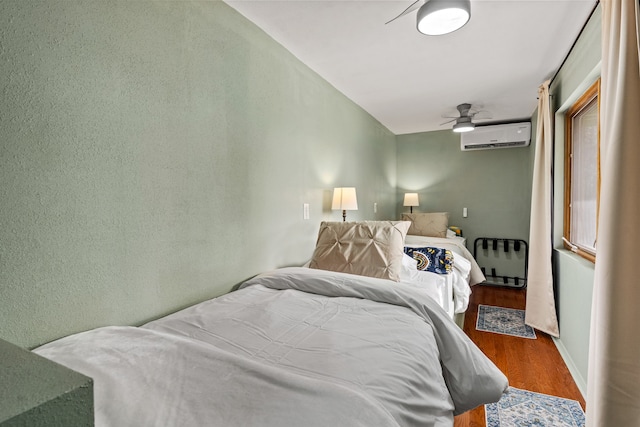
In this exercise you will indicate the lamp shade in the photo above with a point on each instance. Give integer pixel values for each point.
(411, 199)
(437, 17)
(344, 198)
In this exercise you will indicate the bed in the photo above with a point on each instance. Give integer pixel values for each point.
(430, 231)
(293, 346)
(456, 290)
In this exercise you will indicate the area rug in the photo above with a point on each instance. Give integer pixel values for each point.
(519, 408)
(506, 321)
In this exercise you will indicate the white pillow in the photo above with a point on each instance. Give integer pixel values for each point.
(409, 263)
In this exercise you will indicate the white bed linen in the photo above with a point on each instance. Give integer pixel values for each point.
(295, 346)
(456, 245)
(437, 286)
(466, 272)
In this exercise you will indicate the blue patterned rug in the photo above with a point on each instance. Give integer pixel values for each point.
(507, 321)
(519, 408)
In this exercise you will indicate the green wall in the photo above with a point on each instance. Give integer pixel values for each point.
(494, 186)
(573, 275)
(36, 392)
(156, 153)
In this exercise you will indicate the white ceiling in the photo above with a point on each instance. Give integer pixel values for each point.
(409, 81)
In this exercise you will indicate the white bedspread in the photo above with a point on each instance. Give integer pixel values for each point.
(453, 244)
(466, 271)
(437, 286)
(292, 347)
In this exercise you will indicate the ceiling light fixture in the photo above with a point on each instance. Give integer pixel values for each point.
(437, 17)
(463, 124)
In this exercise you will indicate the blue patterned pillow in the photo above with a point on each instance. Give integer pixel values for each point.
(435, 260)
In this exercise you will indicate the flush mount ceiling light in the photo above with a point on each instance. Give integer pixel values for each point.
(464, 121)
(437, 17)
(464, 124)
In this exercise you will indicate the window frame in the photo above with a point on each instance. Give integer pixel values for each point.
(590, 94)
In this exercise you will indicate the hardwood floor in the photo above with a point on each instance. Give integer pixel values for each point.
(533, 365)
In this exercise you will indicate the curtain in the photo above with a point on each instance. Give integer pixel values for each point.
(540, 310)
(613, 386)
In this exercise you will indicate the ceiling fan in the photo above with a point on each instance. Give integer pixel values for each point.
(464, 122)
(437, 17)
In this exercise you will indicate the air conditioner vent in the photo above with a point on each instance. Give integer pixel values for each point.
(497, 136)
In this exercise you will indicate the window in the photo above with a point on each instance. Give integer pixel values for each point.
(582, 174)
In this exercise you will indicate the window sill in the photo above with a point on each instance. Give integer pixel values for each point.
(574, 257)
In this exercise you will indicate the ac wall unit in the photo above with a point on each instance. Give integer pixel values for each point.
(497, 136)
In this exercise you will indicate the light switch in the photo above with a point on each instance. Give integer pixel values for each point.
(375, 207)
(464, 212)
(305, 211)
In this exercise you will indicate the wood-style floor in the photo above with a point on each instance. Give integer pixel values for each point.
(533, 365)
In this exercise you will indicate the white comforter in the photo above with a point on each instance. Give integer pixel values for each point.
(292, 347)
(475, 275)
(466, 271)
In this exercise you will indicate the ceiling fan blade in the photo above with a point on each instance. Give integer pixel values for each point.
(449, 121)
(415, 5)
(481, 115)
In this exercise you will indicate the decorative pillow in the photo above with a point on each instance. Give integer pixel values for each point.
(435, 260)
(366, 248)
(433, 224)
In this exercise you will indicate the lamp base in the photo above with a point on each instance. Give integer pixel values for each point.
(344, 215)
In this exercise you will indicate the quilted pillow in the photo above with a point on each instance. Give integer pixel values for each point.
(366, 248)
(435, 260)
(434, 224)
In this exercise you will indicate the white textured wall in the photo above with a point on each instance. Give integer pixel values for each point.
(156, 153)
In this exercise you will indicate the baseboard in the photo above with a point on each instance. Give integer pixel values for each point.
(580, 382)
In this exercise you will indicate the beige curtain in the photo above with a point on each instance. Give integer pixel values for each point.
(541, 308)
(613, 384)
